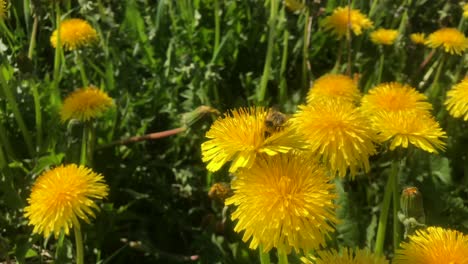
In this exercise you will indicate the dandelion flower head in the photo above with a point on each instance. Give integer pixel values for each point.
(75, 33)
(240, 136)
(418, 38)
(384, 36)
(346, 256)
(337, 22)
(465, 10)
(412, 127)
(338, 134)
(457, 100)
(283, 201)
(334, 86)
(392, 97)
(85, 104)
(450, 39)
(62, 196)
(434, 245)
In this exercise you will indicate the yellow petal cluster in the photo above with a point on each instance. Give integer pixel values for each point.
(338, 21)
(75, 33)
(346, 256)
(392, 97)
(404, 128)
(384, 36)
(338, 134)
(283, 201)
(418, 38)
(334, 86)
(85, 104)
(434, 245)
(240, 136)
(465, 10)
(450, 39)
(401, 115)
(457, 100)
(62, 196)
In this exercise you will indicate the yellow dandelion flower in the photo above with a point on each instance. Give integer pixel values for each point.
(384, 36)
(337, 22)
(3, 8)
(338, 134)
(347, 256)
(392, 97)
(465, 10)
(457, 100)
(85, 104)
(240, 136)
(334, 86)
(283, 201)
(75, 33)
(418, 38)
(62, 196)
(434, 245)
(409, 127)
(451, 39)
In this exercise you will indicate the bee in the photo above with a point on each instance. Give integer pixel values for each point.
(274, 121)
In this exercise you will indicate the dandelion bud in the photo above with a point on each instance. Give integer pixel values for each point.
(220, 191)
(412, 204)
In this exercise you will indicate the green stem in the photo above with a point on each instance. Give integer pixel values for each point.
(26, 13)
(79, 244)
(379, 243)
(19, 118)
(283, 87)
(217, 25)
(55, 96)
(270, 48)
(264, 257)
(282, 257)
(396, 203)
(32, 40)
(336, 68)
(373, 7)
(381, 66)
(434, 89)
(84, 144)
(305, 50)
(79, 62)
(59, 246)
(38, 115)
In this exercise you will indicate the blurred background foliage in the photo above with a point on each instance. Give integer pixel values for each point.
(160, 61)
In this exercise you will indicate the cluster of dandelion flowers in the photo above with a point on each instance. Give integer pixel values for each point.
(392, 97)
(384, 36)
(433, 245)
(334, 86)
(450, 39)
(240, 136)
(403, 128)
(338, 21)
(457, 100)
(62, 196)
(346, 256)
(418, 38)
(338, 134)
(75, 33)
(85, 104)
(283, 201)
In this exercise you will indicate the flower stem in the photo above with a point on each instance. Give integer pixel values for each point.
(16, 112)
(270, 48)
(379, 243)
(84, 144)
(217, 25)
(264, 257)
(435, 87)
(79, 62)
(55, 96)
(396, 203)
(283, 86)
(305, 49)
(336, 68)
(381, 64)
(282, 257)
(79, 245)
